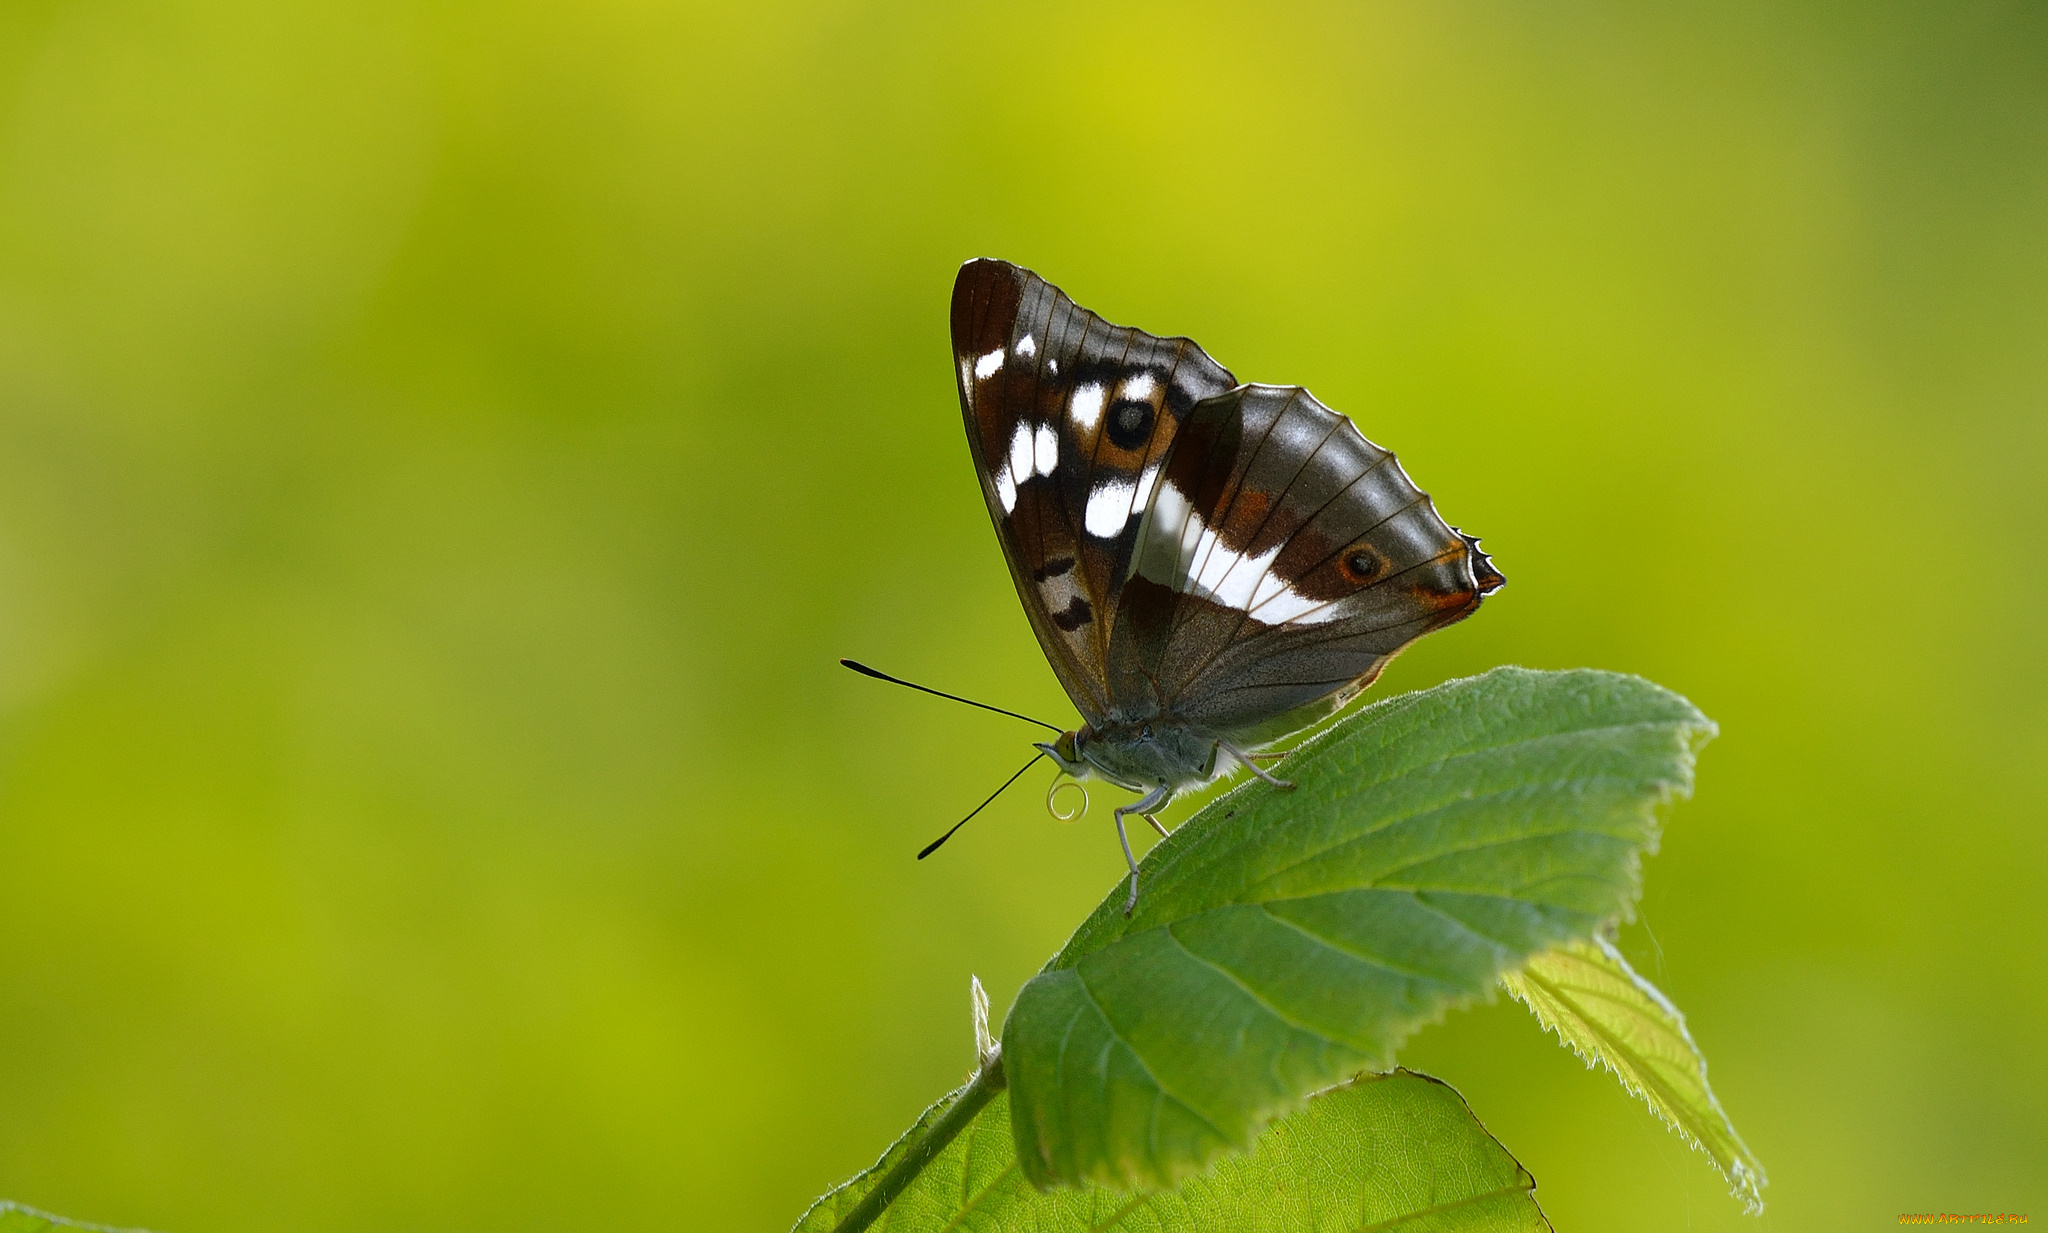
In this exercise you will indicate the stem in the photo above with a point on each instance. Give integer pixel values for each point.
(979, 1091)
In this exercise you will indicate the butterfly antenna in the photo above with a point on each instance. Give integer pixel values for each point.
(933, 846)
(864, 670)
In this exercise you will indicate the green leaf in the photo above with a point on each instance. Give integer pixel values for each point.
(1385, 1151)
(1587, 994)
(14, 1218)
(1435, 840)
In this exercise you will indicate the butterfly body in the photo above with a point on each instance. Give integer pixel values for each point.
(1138, 755)
(1209, 566)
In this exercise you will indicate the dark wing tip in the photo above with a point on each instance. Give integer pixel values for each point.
(1483, 572)
(982, 267)
(986, 294)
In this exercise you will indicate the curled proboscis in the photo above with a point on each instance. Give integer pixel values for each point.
(1052, 799)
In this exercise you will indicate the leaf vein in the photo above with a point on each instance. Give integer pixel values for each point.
(1453, 1205)
(1248, 991)
(1471, 849)
(1572, 735)
(967, 1204)
(1116, 1216)
(1117, 1038)
(1638, 1072)
(1435, 854)
(1465, 925)
(1349, 953)
(1399, 820)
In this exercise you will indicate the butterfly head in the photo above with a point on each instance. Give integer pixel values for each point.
(1066, 754)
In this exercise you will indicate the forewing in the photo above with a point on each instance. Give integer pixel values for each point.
(1284, 560)
(1069, 419)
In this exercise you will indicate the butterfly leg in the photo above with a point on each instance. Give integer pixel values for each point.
(1144, 806)
(1254, 767)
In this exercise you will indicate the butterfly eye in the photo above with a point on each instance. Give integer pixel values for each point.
(1361, 566)
(1145, 732)
(1130, 424)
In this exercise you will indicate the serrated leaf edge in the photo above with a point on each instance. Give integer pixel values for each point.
(1744, 1175)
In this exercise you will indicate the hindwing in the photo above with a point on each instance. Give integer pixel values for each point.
(1069, 419)
(1283, 561)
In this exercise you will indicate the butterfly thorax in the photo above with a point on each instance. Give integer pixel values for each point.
(1138, 755)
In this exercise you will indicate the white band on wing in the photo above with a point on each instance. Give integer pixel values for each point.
(1197, 562)
(1114, 502)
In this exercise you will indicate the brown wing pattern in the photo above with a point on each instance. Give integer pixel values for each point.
(1069, 419)
(1284, 561)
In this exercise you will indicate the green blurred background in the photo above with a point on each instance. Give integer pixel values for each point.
(444, 446)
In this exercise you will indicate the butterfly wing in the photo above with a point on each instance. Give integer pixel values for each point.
(1069, 419)
(1283, 561)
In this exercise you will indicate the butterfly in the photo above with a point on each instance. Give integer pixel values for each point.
(1209, 566)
